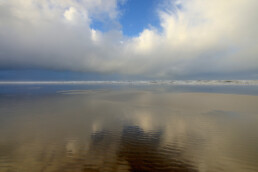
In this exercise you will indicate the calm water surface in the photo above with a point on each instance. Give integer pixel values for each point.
(97, 130)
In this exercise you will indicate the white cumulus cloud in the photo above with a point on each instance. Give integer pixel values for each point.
(197, 37)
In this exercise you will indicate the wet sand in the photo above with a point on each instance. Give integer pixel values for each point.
(112, 130)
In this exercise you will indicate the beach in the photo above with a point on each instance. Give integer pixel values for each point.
(128, 130)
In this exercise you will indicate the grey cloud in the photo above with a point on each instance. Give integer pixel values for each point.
(200, 37)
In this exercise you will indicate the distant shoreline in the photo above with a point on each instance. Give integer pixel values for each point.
(154, 82)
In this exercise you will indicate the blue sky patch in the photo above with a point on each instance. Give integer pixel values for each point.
(138, 15)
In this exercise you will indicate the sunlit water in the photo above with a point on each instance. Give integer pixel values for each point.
(128, 129)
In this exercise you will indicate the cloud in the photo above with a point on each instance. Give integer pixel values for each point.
(202, 37)
(196, 37)
(71, 14)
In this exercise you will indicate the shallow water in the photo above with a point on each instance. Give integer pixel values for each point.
(128, 130)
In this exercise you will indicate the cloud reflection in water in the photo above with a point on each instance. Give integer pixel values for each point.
(129, 131)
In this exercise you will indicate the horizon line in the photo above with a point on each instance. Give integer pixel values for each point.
(135, 82)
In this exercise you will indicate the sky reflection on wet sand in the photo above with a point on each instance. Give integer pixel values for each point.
(129, 131)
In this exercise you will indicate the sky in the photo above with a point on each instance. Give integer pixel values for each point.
(128, 39)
